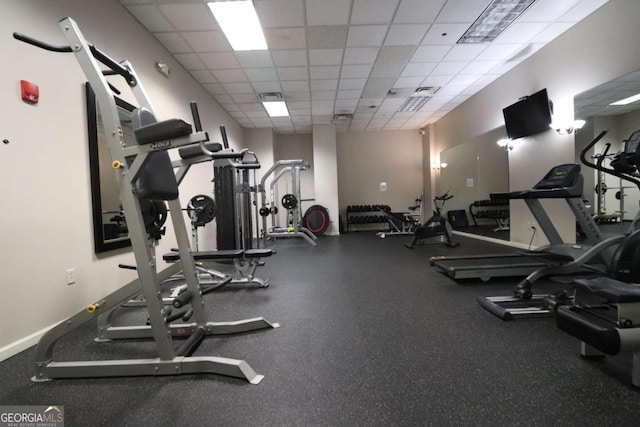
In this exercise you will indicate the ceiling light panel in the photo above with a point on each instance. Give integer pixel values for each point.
(239, 22)
(276, 108)
(494, 20)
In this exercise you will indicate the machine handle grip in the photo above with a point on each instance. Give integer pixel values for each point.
(42, 45)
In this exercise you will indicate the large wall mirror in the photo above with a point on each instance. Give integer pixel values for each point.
(109, 225)
(621, 200)
(474, 169)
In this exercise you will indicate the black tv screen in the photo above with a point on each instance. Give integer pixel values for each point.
(529, 116)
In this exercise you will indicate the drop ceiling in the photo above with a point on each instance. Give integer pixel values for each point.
(358, 57)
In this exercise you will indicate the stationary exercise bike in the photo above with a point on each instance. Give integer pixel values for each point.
(437, 229)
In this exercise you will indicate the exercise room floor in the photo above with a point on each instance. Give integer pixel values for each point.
(370, 335)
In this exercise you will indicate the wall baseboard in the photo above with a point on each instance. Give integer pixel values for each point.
(22, 344)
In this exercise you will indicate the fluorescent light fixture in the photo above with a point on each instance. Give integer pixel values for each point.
(494, 20)
(239, 22)
(418, 98)
(628, 100)
(276, 108)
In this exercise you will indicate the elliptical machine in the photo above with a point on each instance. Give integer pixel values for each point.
(437, 229)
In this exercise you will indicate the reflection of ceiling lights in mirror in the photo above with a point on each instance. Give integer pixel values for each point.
(239, 23)
(494, 20)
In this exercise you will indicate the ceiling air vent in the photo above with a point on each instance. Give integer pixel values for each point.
(270, 96)
(418, 98)
(342, 116)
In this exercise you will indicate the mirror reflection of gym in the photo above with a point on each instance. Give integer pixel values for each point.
(109, 225)
(620, 202)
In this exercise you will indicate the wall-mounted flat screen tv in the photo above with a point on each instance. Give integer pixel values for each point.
(529, 116)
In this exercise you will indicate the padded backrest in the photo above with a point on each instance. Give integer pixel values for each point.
(157, 181)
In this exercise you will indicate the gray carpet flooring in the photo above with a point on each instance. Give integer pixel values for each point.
(370, 335)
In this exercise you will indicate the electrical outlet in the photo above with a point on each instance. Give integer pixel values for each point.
(71, 276)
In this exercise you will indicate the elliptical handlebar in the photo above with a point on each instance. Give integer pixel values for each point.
(113, 65)
(598, 165)
(444, 197)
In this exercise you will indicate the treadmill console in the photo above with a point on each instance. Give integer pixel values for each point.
(561, 176)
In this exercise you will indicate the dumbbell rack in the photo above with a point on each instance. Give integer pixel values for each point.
(363, 215)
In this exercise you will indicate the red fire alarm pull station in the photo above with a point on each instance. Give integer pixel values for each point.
(29, 91)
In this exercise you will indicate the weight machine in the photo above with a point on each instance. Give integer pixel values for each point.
(143, 170)
(290, 201)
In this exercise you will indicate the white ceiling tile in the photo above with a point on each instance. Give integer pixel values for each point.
(412, 82)
(258, 112)
(261, 74)
(289, 58)
(391, 104)
(303, 95)
(551, 32)
(295, 86)
(323, 95)
(173, 42)
(324, 72)
(298, 105)
(328, 12)
(233, 75)
(236, 114)
(327, 37)
(373, 11)
(293, 73)
(464, 80)
(286, 38)
(236, 88)
(207, 41)
(498, 52)
(244, 98)
(464, 52)
(447, 68)
(251, 108)
(448, 34)
(321, 107)
(461, 10)
(421, 69)
(151, 18)
(360, 55)
(347, 84)
(280, 13)
(260, 87)
(190, 16)
(436, 81)
(430, 53)
(479, 67)
(582, 10)
(366, 35)
(547, 10)
(203, 76)
(347, 103)
(324, 85)
(223, 99)
(521, 32)
(325, 56)
(190, 61)
(254, 58)
(351, 94)
(405, 34)
(214, 88)
(219, 60)
(355, 71)
(411, 11)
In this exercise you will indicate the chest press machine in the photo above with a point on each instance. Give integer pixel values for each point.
(143, 171)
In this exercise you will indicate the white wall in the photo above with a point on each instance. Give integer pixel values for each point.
(326, 173)
(592, 52)
(365, 159)
(45, 222)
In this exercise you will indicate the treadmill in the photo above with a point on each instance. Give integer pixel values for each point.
(561, 182)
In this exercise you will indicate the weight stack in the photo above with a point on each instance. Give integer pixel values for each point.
(223, 176)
